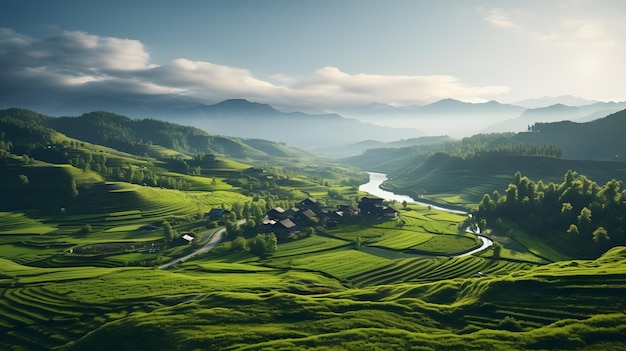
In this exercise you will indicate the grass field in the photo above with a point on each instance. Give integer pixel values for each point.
(209, 303)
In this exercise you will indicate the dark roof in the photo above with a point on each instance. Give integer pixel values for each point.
(308, 213)
(371, 200)
(216, 213)
(287, 223)
(310, 200)
(347, 208)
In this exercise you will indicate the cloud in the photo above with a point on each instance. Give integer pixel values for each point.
(500, 18)
(566, 28)
(332, 86)
(76, 64)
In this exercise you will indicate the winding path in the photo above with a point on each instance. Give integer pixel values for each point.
(373, 187)
(207, 247)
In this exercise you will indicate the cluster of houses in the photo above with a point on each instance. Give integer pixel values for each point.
(308, 213)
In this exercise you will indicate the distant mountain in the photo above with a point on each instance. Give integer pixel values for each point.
(445, 117)
(235, 117)
(360, 147)
(555, 113)
(245, 119)
(546, 101)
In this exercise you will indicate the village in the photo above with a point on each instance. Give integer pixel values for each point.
(309, 213)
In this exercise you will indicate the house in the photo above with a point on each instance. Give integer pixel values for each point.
(348, 210)
(309, 204)
(217, 214)
(335, 216)
(304, 218)
(330, 224)
(369, 206)
(283, 228)
(184, 239)
(292, 212)
(277, 213)
(389, 212)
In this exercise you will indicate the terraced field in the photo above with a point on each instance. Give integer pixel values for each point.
(20, 223)
(206, 304)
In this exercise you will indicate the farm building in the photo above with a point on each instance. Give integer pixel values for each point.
(217, 214)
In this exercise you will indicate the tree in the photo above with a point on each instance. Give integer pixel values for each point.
(584, 221)
(73, 189)
(358, 242)
(573, 229)
(600, 235)
(264, 245)
(23, 179)
(497, 250)
(86, 229)
(169, 232)
(271, 244)
(239, 244)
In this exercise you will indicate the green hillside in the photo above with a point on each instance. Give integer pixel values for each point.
(459, 180)
(93, 208)
(570, 305)
(462, 171)
(135, 136)
(602, 139)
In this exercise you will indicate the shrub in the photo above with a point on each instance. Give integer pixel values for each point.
(509, 323)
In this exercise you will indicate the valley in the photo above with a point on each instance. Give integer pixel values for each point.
(144, 234)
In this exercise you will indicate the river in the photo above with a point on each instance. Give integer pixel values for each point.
(373, 187)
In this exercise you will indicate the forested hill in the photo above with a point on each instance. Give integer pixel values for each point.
(462, 171)
(602, 139)
(126, 134)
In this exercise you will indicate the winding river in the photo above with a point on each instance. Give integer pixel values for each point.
(373, 187)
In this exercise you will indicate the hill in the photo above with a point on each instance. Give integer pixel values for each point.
(555, 113)
(601, 139)
(137, 136)
(464, 170)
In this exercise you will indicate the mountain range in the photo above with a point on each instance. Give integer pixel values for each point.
(459, 119)
(350, 125)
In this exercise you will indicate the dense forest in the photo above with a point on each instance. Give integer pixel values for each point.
(585, 217)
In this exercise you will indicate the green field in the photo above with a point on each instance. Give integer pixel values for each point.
(207, 304)
(85, 228)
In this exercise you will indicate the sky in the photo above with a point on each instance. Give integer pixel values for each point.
(313, 55)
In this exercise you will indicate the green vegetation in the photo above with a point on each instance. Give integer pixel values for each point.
(92, 205)
(201, 307)
(461, 172)
(576, 217)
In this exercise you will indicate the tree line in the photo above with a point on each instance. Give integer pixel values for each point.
(591, 216)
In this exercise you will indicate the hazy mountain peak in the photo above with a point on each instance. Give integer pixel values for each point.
(243, 104)
(568, 100)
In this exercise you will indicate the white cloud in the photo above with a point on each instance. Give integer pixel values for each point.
(563, 28)
(333, 86)
(81, 63)
(500, 18)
